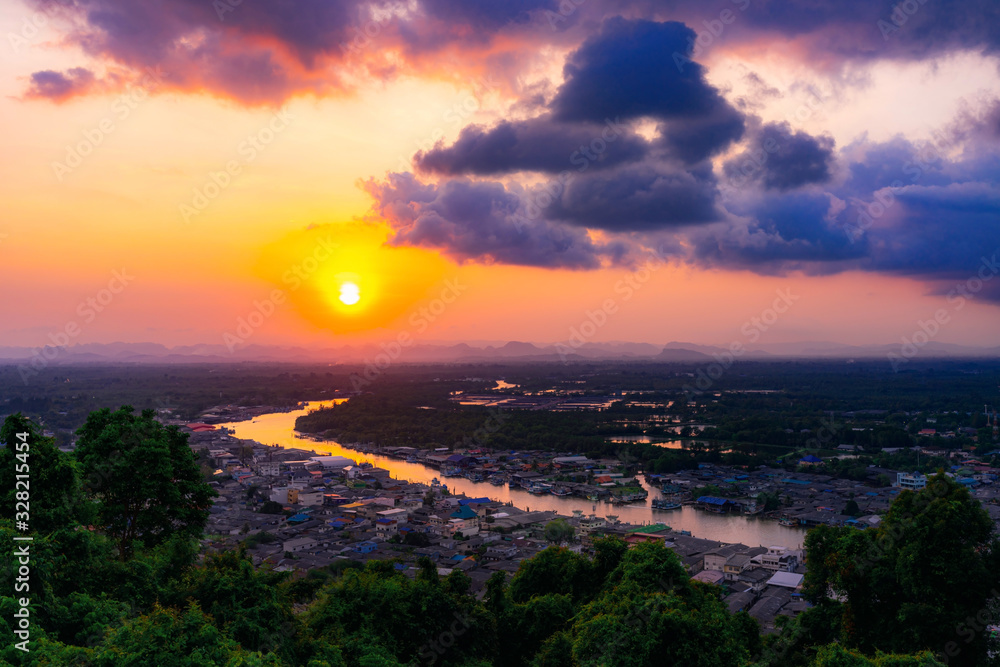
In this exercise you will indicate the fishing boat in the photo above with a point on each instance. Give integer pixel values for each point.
(412, 459)
(664, 504)
(561, 491)
(497, 480)
(451, 472)
(788, 522)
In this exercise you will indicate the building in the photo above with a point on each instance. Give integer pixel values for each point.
(912, 481)
(298, 544)
(777, 559)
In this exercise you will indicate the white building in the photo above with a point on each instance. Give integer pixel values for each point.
(778, 559)
(912, 481)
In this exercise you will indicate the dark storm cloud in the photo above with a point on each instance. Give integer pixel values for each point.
(837, 31)
(782, 159)
(640, 69)
(485, 221)
(639, 197)
(533, 145)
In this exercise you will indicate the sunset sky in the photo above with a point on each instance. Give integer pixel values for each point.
(489, 171)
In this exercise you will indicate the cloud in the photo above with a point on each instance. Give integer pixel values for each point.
(782, 159)
(649, 196)
(829, 35)
(640, 69)
(59, 86)
(485, 221)
(538, 144)
(262, 53)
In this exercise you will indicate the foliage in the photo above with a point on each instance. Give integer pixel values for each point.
(917, 582)
(168, 496)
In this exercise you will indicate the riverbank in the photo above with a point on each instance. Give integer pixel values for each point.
(278, 429)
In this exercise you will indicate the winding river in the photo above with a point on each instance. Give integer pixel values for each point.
(278, 428)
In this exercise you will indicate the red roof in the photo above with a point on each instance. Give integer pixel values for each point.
(198, 427)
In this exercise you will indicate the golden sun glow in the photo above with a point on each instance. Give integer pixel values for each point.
(350, 293)
(344, 278)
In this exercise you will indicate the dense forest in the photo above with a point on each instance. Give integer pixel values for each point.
(117, 577)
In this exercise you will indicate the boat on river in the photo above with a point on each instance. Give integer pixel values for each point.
(664, 504)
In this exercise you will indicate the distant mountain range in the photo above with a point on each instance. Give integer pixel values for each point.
(673, 352)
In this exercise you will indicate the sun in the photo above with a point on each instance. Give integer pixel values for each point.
(350, 293)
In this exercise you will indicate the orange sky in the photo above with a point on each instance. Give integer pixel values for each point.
(133, 205)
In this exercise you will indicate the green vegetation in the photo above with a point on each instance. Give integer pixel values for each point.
(925, 580)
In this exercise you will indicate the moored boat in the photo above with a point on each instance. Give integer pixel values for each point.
(664, 504)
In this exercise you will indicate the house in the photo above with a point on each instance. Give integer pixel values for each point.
(298, 544)
(786, 580)
(386, 527)
(465, 513)
(710, 577)
(756, 578)
(365, 547)
(777, 559)
(716, 559)
(912, 481)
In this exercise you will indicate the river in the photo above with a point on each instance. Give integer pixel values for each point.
(278, 428)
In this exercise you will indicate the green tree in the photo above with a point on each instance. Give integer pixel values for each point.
(143, 476)
(838, 656)
(852, 509)
(169, 638)
(915, 582)
(50, 484)
(558, 531)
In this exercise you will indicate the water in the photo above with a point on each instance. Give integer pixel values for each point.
(279, 429)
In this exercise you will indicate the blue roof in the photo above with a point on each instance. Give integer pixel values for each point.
(712, 500)
(299, 517)
(871, 493)
(789, 480)
(463, 512)
(473, 501)
(811, 459)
